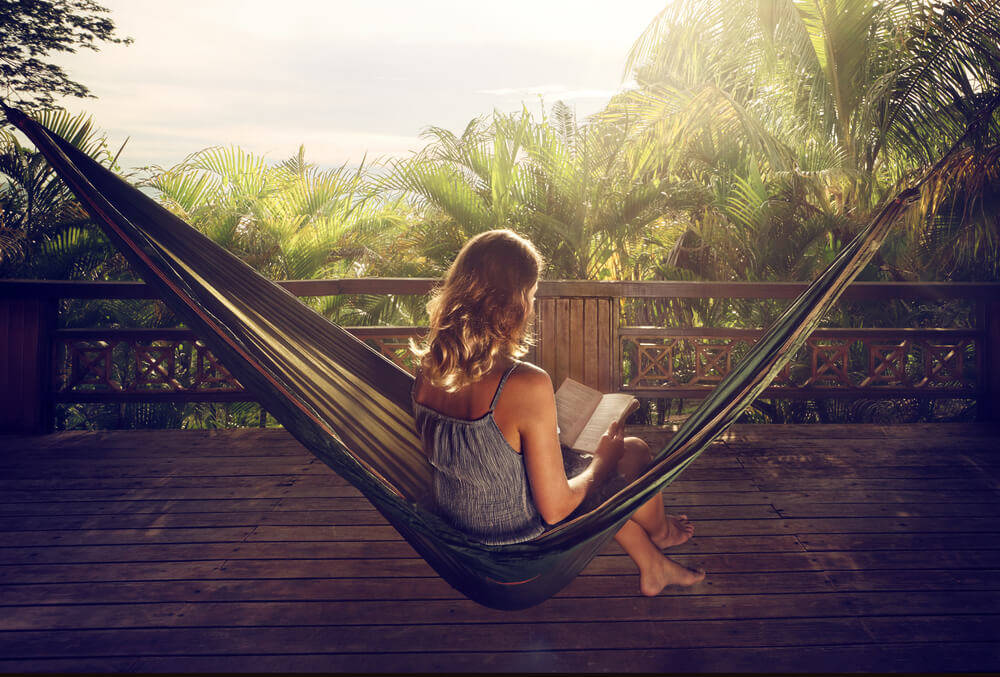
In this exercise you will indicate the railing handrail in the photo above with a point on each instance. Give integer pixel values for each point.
(977, 291)
(941, 358)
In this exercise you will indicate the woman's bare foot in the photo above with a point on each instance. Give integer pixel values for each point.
(676, 531)
(667, 572)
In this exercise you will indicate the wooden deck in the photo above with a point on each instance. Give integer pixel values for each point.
(829, 548)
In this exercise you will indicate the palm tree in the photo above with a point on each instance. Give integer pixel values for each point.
(292, 220)
(833, 102)
(44, 232)
(565, 184)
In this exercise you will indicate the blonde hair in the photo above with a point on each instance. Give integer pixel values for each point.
(481, 313)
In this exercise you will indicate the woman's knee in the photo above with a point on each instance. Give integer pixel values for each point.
(636, 458)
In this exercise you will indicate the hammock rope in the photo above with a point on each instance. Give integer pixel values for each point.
(350, 406)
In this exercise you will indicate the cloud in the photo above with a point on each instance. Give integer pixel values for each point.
(560, 92)
(343, 78)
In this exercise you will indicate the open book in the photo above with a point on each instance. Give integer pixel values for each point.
(584, 414)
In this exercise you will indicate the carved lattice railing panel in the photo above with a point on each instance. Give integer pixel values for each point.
(170, 363)
(926, 362)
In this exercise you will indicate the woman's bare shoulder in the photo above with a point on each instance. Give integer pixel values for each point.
(528, 377)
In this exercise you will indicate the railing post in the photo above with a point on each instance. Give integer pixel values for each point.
(26, 327)
(989, 317)
(577, 337)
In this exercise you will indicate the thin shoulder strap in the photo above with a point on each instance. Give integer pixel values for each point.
(413, 386)
(503, 380)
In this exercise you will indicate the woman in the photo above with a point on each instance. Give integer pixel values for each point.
(488, 421)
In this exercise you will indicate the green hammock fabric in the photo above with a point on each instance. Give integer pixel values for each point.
(350, 406)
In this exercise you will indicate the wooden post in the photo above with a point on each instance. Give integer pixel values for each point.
(26, 355)
(577, 338)
(989, 409)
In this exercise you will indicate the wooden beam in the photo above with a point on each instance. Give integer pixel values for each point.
(547, 288)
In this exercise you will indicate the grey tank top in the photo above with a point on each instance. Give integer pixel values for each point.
(480, 482)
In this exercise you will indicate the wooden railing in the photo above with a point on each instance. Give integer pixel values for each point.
(580, 332)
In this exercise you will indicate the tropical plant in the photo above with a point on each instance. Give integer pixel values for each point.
(44, 232)
(833, 102)
(290, 220)
(564, 183)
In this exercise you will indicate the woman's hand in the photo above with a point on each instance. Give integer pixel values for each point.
(612, 445)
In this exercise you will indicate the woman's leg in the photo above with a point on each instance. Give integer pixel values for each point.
(655, 571)
(664, 530)
(651, 529)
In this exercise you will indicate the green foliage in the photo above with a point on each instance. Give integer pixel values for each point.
(290, 220)
(804, 114)
(30, 30)
(44, 232)
(566, 185)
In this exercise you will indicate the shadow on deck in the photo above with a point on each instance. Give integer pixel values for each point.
(829, 548)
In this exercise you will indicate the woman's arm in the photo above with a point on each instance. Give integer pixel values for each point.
(555, 497)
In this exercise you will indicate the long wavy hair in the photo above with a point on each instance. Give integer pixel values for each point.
(482, 311)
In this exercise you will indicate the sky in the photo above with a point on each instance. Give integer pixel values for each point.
(345, 78)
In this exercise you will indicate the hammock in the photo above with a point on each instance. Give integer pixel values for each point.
(350, 406)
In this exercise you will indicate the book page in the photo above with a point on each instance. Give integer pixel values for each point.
(574, 404)
(613, 407)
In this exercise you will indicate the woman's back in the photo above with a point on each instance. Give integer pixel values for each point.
(480, 483)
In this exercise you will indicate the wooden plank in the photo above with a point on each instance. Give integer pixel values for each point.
(381, 559)
(563, 341)
(968, 558)
(747, 527)
(14, 401)
(201, 582)
(591, 344)
(187, 467)
(31, 368)
(905, 657)
(977, 628)
(815, 542)
(189, 551)
(194, 487)
(141, 476)
(731, 573)
(609, 363)
(79, 509)
(23, 524)
(864, 483)
(229, 505)
(358, 517)
(299, 600)
(171, 552)
(854, 431)
(794, 450)
(914, 579)
(894, 472)
(547, 338)
(576, 340)
(373, 639)
(705, 508)
(820, 497)
(794, 453)
(175, 488)
(961, 510)
(111, 536)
